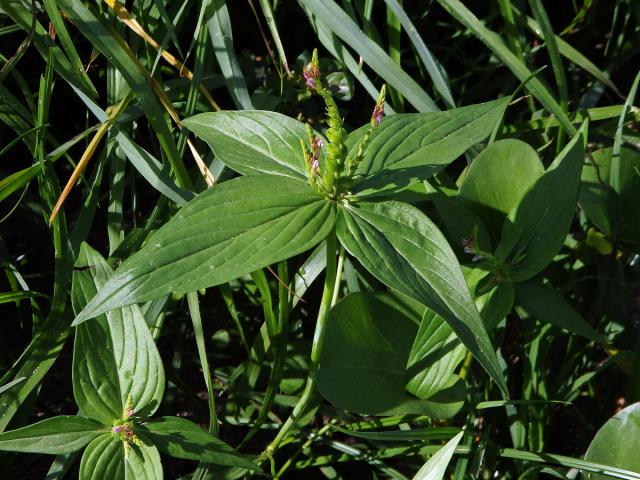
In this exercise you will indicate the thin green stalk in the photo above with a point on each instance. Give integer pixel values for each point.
(316, 347)
(540, 14)
(312, 438)
(194, 310)
(279, 343)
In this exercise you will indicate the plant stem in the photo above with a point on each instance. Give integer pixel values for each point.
(316, 347)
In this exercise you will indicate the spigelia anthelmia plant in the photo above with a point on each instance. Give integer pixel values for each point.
(280, 298)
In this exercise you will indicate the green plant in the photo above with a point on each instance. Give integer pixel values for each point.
(326, 299)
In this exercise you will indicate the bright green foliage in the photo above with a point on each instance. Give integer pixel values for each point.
(435, 468)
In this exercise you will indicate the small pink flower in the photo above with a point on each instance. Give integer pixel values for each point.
(310, 73)
(315, 165)
(378, 113)
(316, 143)
(118, 428)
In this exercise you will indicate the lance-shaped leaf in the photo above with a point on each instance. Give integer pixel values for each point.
(115, 357)
(181, 438)
(535, 230)
(105, 458)
(544, 303)
(435, 354)
(254, 141)
(401, 247)
(57, 435)
(436, 466)
(408, 148)
(225, 232)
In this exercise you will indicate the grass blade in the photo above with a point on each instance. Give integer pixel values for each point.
(431, 64)
(216, 15)
(493, 41)
(346, 29)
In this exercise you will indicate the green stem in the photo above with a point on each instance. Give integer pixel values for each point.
(316, 347)
(194, 310)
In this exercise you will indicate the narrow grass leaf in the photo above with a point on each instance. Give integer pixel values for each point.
(461, 13)
(436, 466)
(346, 29)
(433, 67)
(216, 16)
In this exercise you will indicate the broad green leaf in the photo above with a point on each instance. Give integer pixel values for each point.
(225, 232)
(435, 354)
(254, 141)
(105, 458)
(340, 24)
(364, 357)
(55, 435)
(408, 148)
(114, 358)
(436, 466)
(536, 229)
(628, 191)
(182, 438)
(544, 303)
(616, 443)
(400, 246)
(498, 178)
(628, 194)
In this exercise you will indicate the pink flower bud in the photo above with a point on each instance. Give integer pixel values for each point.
(378, 113)
(310, 73)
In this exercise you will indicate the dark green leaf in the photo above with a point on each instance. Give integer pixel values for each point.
(596, 197)
(491, 186)
(224, 233)
(407, 148)
(181, 438)
(536, 229)
(544, 303)
(364, 358)
(55, 435)
(400, 246)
